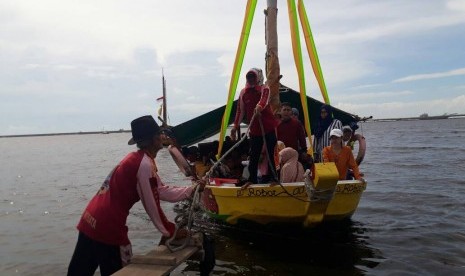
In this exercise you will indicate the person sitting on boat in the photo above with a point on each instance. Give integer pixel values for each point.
(341, 155)
(325, 125)
(291, 169)
(279, 146)
(347, 135)
(193, 155)
(103, 235)
(295, 113)
(253, 103)
(349, 138)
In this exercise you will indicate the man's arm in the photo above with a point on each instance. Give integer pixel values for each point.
(147, 196)
(240, 111)
(264, 98)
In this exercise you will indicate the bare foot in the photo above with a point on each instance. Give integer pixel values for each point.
(246, 185)
(273, 183)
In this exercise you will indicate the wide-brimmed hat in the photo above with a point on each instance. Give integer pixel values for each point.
(143, 128)
(336, 132)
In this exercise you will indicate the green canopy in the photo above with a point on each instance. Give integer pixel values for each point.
(209, 124)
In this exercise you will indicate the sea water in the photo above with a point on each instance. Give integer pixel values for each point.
(410, 220)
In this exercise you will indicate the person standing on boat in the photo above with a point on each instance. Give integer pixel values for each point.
(341, 155)
(290, 131)
(103, 235)
(253, 103)
(326, 123)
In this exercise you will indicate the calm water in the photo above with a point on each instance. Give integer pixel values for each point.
(410, 221)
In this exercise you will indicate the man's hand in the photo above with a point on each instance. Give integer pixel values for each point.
(233, 133)
(201, 183)
(181, 234)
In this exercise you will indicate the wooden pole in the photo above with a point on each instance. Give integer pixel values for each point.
(272, 60)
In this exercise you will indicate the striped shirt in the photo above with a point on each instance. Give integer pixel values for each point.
(322, 142)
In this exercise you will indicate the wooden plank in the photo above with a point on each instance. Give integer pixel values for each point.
(165, 258)
(160, 261)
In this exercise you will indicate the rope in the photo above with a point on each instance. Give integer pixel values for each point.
(186, 221)
(217, 163)
(267, 153)
(274, 171)
(181, 221)
(312, 193)
(315, 195)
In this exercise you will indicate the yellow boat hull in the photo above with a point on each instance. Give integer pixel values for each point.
(288, 203)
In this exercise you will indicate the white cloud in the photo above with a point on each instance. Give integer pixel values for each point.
(456, 72)
(94, 56)
(364, 97)
(366, 86)
(456, 5)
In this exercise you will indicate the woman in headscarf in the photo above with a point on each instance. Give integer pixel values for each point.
(253, 104)
(291, 169)
(326, 123)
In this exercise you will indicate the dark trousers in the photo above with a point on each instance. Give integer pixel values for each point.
(256, 145)
(90, 254)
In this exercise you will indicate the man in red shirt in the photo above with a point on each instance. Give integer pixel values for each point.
(290, 131)
(254, 103)
(103, 235)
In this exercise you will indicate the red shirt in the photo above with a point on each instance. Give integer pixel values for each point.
(249, 98)
(134, 178)
(292, 134)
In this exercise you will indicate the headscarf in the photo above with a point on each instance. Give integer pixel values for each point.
(291, 169)
(279, 146)
(259, 74)
(323, 124)
(295, 111)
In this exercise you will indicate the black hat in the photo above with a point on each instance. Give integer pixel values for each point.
(143, 128)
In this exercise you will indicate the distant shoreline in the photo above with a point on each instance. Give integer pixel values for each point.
(453, 116)
(65, 133)
(440, 117)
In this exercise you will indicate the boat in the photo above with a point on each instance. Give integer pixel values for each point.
(163, 116)
(321, 197)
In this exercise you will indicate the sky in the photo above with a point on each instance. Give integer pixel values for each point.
(68, 66)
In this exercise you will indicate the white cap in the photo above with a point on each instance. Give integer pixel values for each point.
(336, 132)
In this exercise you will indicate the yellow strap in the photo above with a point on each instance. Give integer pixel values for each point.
(311, 49)
(246, 25)
(296, 49)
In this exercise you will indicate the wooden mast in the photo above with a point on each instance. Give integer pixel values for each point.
(272, 60)
(164, 122)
